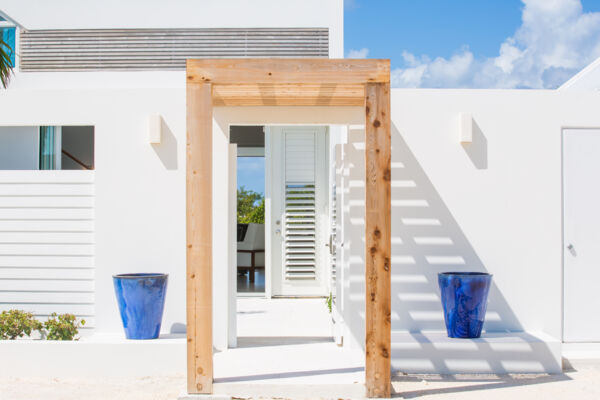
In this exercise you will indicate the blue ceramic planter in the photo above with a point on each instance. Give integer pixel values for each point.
(141, 299)
(464, 298)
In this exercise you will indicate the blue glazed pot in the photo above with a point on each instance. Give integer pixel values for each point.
(141, 299)
(464, 298)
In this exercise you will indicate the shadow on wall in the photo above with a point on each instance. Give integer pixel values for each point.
(166, 150)
(477, 149)
(426, 240)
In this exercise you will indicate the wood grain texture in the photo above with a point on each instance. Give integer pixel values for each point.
(282, 94)
(199, 238)
(378, 239)
(300, 70)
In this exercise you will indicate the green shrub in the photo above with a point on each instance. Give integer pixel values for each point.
(329, 302)
(17, 323)
(62, 327)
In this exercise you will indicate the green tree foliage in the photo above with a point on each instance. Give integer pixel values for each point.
(5, 63)
(250, 207)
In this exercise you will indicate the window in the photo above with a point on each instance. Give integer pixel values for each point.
(8, 37)
(47, 147)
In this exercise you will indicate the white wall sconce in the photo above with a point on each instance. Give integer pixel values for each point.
(465, 127)
(154, 129)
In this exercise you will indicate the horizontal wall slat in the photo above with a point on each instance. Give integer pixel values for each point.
(41, 297)
(45, 189)
(46, 226)
(46, 176)
(47, 274)
(151, 49)
(68, 249)
(41, 261)
(17, 285)
(47, 237)
(46, 213)
(46, 201)
(81, 309)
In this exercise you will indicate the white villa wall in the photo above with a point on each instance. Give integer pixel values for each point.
(139, 187)
(493, 205)
(138, 14)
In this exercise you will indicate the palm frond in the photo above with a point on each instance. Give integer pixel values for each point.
(5, 63)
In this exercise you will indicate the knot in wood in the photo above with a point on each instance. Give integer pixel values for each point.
(387, 175)
(384, 352)
(376, 123)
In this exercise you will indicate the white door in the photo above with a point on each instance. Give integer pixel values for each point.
(581, 164)
(298, 214)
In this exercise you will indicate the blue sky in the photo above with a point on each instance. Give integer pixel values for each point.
(475, 43)
(467, 43)
(251, 173)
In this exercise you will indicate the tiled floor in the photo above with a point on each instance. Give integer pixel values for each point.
(245, 286)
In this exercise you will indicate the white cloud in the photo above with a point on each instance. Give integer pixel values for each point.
(555, 40)
(362, 53)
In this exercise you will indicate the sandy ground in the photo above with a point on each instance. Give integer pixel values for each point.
(582, 382)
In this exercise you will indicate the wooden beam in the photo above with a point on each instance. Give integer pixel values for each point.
(301, 70)
(199, 238)
(288, 95)
(378, 239)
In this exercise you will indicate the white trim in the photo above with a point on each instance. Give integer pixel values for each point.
(232, 248)
(58, 148)
(268, 210)
(580, 75)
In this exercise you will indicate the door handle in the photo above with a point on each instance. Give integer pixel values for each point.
(571, 249)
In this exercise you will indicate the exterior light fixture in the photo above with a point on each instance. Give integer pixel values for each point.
(154, 129)
(465, 127)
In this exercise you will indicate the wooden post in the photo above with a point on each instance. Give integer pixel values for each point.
(199, 238)
(378, 239)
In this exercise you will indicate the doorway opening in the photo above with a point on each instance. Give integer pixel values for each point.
(283, 230)
(250, 211)
(283, 316)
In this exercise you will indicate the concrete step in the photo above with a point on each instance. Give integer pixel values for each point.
(496, 352)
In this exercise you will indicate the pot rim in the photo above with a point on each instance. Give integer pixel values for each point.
(465, 273)
(140, 275)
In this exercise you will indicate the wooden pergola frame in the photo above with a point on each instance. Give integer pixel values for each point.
(288, 82)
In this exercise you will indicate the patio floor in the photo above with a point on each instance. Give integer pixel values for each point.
(286, 342)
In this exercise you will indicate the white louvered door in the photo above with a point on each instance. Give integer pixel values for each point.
(299, 210)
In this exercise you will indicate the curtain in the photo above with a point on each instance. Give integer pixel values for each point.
(48, 147)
